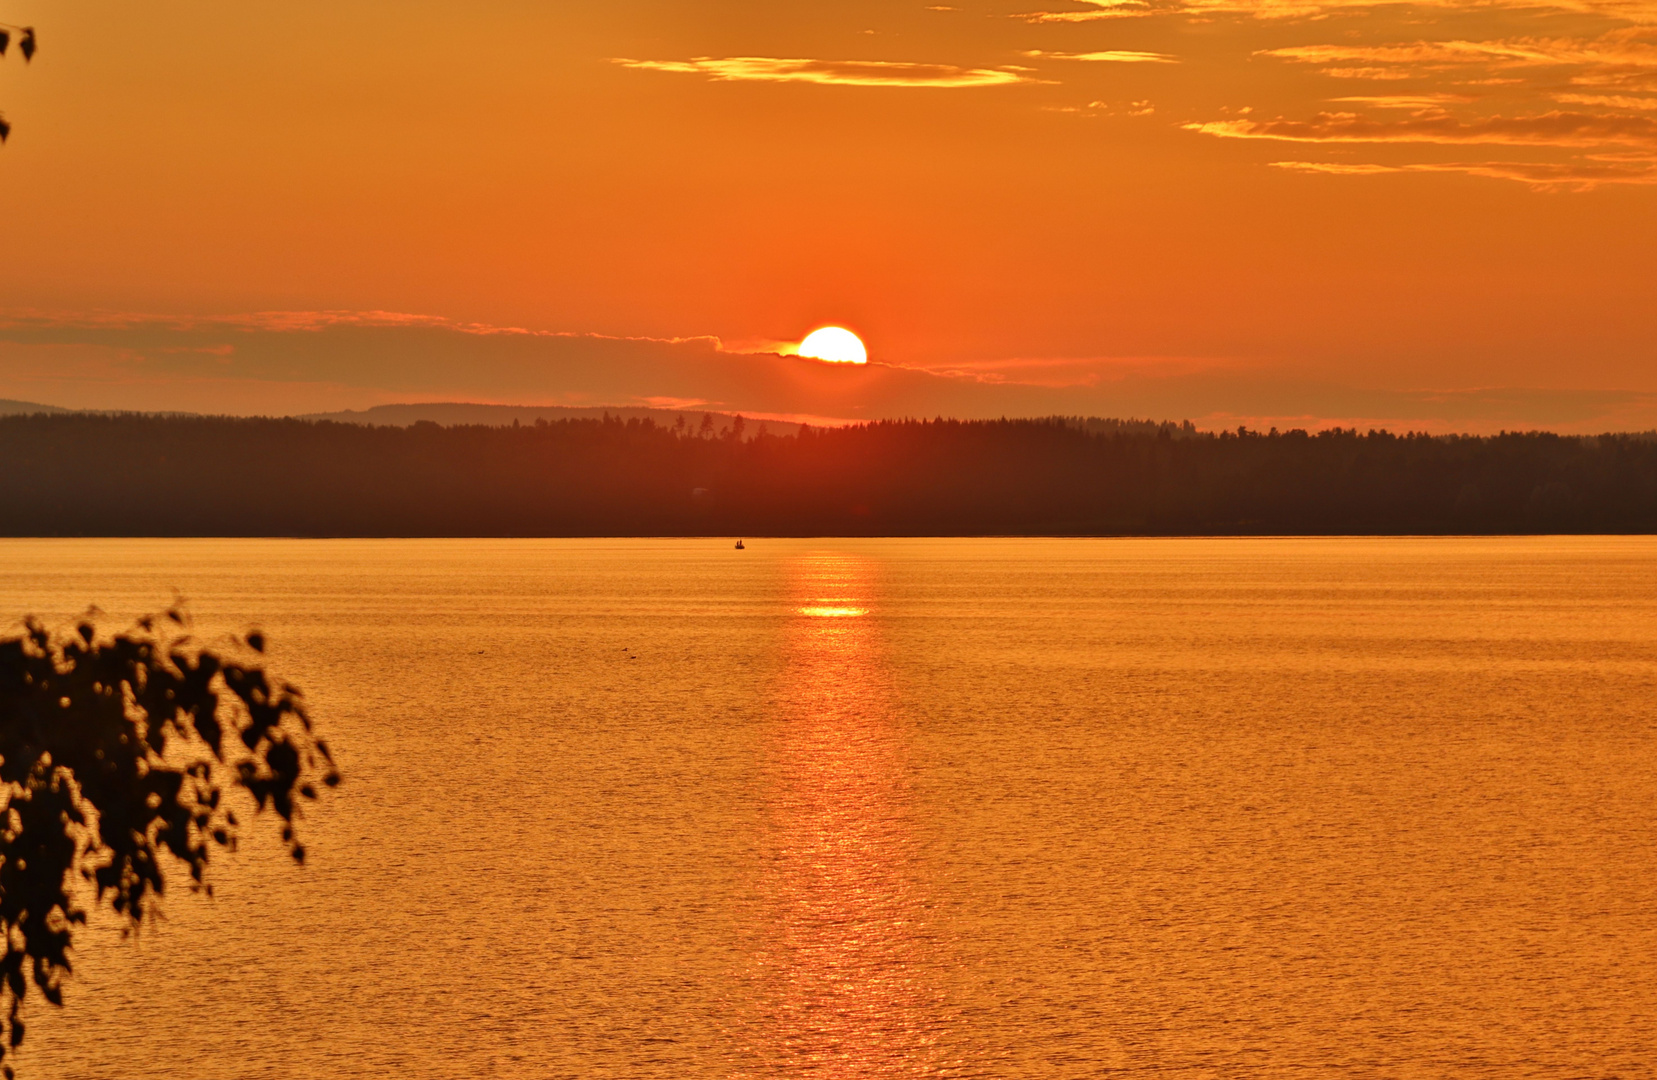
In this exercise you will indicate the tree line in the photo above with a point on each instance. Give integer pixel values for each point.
(193, 476)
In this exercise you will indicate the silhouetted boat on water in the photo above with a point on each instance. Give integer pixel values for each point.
(739, 545)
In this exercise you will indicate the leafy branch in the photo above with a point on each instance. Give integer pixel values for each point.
(115, 754)
(26, 46)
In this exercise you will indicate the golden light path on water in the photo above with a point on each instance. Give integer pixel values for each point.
(840, 987)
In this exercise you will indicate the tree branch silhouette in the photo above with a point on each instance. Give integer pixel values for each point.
(26, 46)
(116, 755)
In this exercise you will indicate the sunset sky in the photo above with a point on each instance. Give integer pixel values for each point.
(1437, 215)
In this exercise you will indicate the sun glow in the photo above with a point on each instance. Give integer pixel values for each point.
(835, 344)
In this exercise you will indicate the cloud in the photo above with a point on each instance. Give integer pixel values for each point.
(1571, 129)
(1428, 52)
(1623, 59)
(23, 321)
(1636, 11)
(1614, 101)
(1111, 56)
(1639, 81)
(1369, 73)
(1104, 108)
(1527, 68)
(277, 363)
(1100, 9)
(1618, 51)
(1337, 168)
(1633, 11)
(1579, 175)
(1405, 101)
(833, 72)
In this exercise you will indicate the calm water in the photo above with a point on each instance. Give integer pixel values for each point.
(660, 809)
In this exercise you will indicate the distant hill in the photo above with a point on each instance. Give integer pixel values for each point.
(27, 408)
(459, 414)
(472, 414)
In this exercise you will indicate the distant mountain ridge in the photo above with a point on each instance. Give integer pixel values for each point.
(461, 414)
(9, 407)
(474, 414)
(458, 414)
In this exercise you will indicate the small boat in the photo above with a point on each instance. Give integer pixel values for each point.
(739, 545)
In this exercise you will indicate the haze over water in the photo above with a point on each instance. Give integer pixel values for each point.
(850, 808)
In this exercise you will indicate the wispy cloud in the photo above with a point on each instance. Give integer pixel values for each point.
(1621, 60)
(1099, 9)
(1338, 168)
(1109, 56)
(833, 72)
(1571, 129)
(311, 362)
(1382, 73)
(299, 322)
(1579, 175)
(1405, 101)
(1614, 101)
(1105, 108)
(1419, 52)
(1618, 50)
(1633, 11)
(1537, 71)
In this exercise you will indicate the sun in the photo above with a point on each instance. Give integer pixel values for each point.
(835, 344)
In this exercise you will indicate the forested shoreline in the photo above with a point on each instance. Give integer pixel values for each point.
(88, 475)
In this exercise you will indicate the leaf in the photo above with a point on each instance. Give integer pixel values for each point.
(26, 43)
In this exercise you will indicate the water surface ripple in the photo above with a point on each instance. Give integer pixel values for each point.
(867, 808)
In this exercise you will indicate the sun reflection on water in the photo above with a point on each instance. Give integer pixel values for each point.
(841, 960)
(824, 610)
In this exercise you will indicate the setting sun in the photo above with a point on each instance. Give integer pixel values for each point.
(834, 344)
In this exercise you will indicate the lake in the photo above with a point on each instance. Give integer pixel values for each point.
(866, 808)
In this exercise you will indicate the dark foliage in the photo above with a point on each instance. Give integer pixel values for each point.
(26, 46)
(116, 755)
(159, 476)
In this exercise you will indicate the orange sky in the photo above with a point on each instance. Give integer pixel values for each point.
(1212, 208)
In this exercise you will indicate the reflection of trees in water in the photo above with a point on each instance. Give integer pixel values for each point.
(841, 967)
